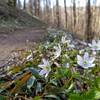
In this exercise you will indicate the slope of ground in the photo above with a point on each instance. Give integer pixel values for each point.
(14, 17)
(16, 27)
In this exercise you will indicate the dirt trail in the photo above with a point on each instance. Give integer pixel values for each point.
(17, 40)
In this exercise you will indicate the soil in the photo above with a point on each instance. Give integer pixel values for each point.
(17, 40)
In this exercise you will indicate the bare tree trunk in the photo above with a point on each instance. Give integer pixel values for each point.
(48, 5)
(47, 9)
(74, 11)
(78, 12)
(95, 19)
(65, 12)
(31, 7)
(57, 13)
(88, 32)
(24, 7)
(36, 7)
(71, 17)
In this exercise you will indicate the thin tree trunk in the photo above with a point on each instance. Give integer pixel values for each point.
(31, 7)
(57, 13)
(24, 7)
(48, 4)
(74, 11)
(88, 32)
(36, 7)
(71, 17)
(95, 16)
(65, 12)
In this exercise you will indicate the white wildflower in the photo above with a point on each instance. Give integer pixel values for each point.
(63, 39)
(46, 67)
(57, 52)
(95, 45)
(85, 61)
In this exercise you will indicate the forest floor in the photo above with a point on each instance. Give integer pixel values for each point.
(17, 39)
(17, 27)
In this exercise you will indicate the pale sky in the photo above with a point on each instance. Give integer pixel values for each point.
(78, 2)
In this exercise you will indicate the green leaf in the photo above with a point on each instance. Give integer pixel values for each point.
(75, 97)
(39, 87)
(37, 98)
(97, 82)
(34, 72)
(30, 82)
(53, 82)
(1, 90)
(2, 98)
(97, 94)
(88, 95)
(52, 97)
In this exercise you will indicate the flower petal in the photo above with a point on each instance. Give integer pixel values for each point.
(46, 74)
(41, 65)
(42, 72)
(80, 63)
(92, 65)
(79, 58)
(86, 56)
(90, 45)
(91, 60)
(44, 61)
(93, 42)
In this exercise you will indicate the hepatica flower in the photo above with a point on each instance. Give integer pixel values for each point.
(45, 68)
(63, 39)
(86, 61)
(57, 52)
(95, 45)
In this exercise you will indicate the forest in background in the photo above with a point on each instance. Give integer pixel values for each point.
(83, 21)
